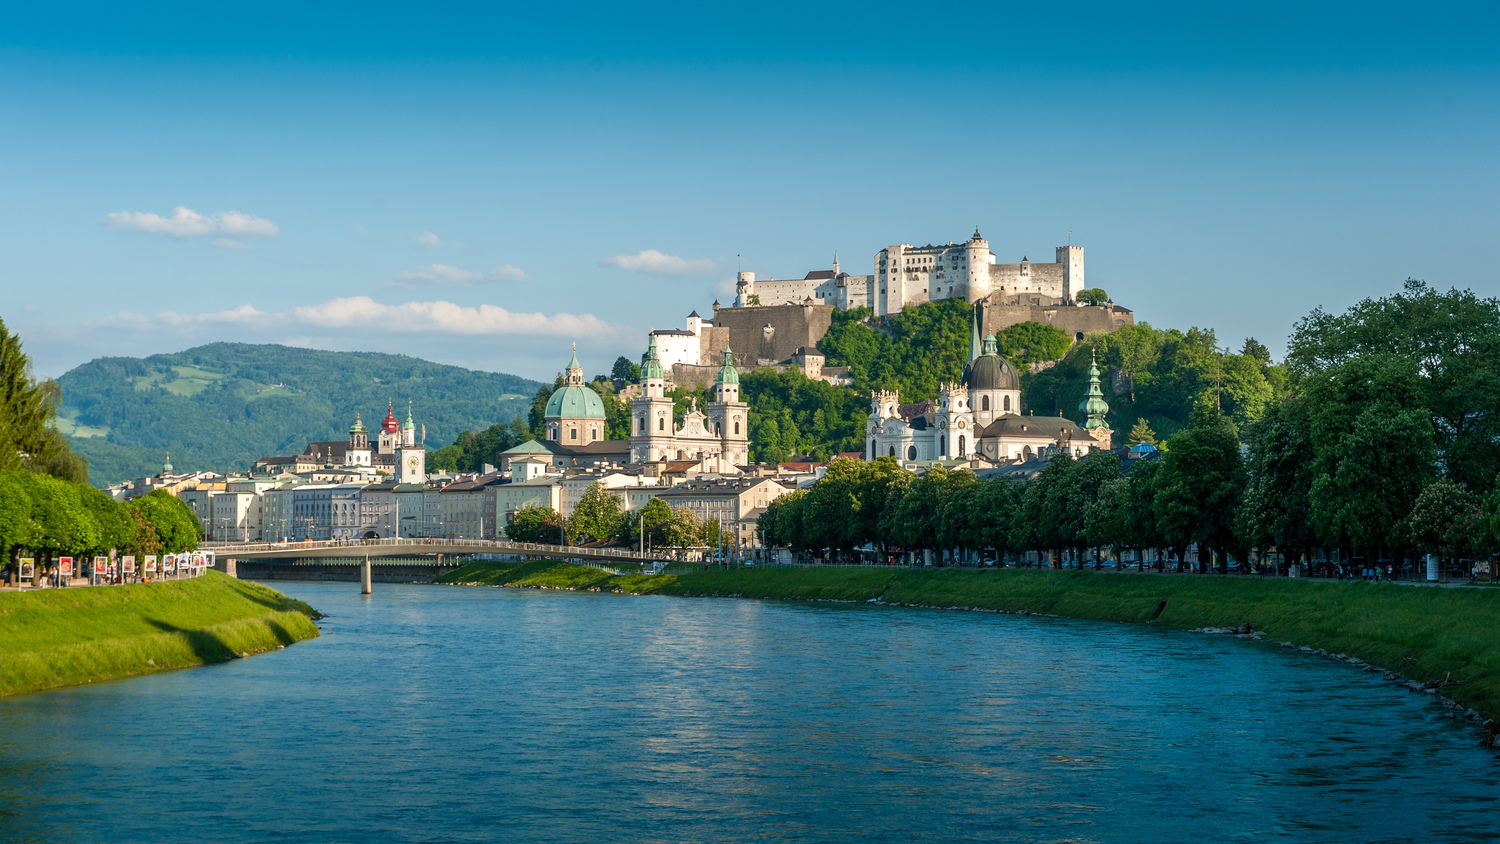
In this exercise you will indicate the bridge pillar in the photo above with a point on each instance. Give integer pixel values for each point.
(230, 569)
(364, 576)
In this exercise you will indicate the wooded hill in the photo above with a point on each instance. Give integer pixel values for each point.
(224, 405)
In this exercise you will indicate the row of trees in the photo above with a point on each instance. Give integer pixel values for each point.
(599, 517)
(52, 517)
(1384, 442)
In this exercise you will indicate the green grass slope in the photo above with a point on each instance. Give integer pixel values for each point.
(65, 637)
(1420, 632)
(224, 405)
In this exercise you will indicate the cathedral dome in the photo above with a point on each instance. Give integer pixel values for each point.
(573, 401)
(990, 371)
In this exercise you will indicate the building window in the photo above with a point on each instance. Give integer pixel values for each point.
(893, 451)
(984, 403)
(961, 446)
(911, 452)
(661, 424)
(736, 429)
(572, 433)
(1007, 402)
(942, 445)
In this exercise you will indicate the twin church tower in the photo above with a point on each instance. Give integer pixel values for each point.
(718, 439)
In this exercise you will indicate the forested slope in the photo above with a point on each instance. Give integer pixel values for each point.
(224, 405)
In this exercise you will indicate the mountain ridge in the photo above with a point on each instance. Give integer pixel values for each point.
(221, 406)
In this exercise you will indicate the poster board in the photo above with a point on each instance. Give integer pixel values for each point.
(100, 565)
(65, 566)
(28, 568)
(127, 564)
(169, 564)
(209, 559)
(150, 564)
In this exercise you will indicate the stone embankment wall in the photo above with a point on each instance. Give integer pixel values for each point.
(1075, 321)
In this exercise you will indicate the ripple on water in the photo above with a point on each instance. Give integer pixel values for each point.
(448, 714)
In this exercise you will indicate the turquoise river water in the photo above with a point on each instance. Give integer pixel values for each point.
(450, 714)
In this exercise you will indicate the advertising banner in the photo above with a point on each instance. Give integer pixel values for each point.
(65, 566)
(208, 559)
(28, 568)
(127, 565)
(169, 564)
(150, 564)
(99, 565)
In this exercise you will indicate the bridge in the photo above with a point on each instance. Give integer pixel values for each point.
(362, 551)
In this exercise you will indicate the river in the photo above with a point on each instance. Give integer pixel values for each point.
(455, 714)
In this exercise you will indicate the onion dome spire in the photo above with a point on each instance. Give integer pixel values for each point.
(652, 367)
(1094, 407)
(727, 372)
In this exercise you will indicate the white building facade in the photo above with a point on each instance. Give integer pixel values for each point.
(906, 275)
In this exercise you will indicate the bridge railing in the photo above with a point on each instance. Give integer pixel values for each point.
(230, 549)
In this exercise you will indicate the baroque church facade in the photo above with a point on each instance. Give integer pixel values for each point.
(720, 438)
(980, 417)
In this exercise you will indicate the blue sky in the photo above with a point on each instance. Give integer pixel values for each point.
(470, 185)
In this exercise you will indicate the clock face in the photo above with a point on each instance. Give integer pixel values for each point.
(412, 462)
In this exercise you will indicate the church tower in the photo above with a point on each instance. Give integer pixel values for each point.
(358, 452)
(955, 422)
(411, 456)
(1094, 408)
(729, 417)
(652, 430)
(390, 430)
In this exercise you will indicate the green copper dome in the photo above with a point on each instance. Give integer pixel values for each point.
(727, 373)
(652, 367)
(573, 401)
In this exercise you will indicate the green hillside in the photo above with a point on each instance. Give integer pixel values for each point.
(224, 405)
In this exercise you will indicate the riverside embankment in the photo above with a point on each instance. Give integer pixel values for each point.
(66, 637)
(1425, 634)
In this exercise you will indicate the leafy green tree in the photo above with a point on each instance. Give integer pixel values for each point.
(1450, 340)
(62, 524)
(1369, 479)
(1138, 520)
(625, 371)
(652, 520)
(15, 515)
(174, 524)
(1032, 342)
(684, 528)
(780, 526)
(1446, 520)
(27, 409)
(1256, 350)
(597, 516)
(1282, 467)
(534, 523)
(1202, 481)
(1093, 296)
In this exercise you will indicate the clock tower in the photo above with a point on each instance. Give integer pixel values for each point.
(411, 455)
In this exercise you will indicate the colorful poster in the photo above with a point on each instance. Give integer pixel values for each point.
(169, 564)
(150, 564)
(100, 565)
(28, 568)
(208, 559)
(127, 565)
(65, 566)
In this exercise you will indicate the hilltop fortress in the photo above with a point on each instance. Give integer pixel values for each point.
(778, 322)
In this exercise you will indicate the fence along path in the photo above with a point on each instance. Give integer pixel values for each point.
(360, 548)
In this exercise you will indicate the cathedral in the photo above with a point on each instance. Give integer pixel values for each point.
(980, 417)
(720, 438)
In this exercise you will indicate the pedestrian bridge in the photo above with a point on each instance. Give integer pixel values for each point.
(228, 553)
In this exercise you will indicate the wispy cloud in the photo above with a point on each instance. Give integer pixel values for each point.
(185, 222)
(442, 275)
(226, 243)
(361, 313)
(659, 263)
(428, 240)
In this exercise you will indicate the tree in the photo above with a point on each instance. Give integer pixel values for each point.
(1449, 341)
(625, 370)
(1369, 478)
(27, 409)
(596, 516)
(1201, 483)
(651, 519)
(684, 528)
(1255, 350)
(1093, 296)
(173, 524)
(1446, 520)
(1282, 467)
(534, 523)
(1141, 432)
(15, 514)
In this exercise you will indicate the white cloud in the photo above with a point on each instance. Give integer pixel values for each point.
(442, 275)
(658, 263)
(186, 222)
(226, 243)
(361, 313)
(427, 240)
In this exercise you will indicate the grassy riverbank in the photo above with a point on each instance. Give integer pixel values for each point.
(64, 637)
(1420, 632)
